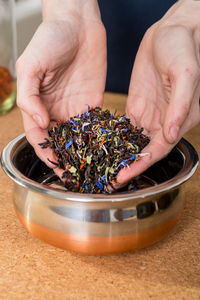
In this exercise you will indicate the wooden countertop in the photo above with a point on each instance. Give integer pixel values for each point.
(31, 269)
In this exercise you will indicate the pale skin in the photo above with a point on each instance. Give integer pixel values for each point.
(63, 74)
(63, 70)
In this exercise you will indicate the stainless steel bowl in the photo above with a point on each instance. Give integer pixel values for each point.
(98, 224)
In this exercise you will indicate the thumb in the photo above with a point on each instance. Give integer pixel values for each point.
(28, 99)
(183, 92)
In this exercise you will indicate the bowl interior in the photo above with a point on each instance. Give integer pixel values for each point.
(26, 161)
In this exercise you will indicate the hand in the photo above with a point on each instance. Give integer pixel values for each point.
(60, 73)
(165, 85)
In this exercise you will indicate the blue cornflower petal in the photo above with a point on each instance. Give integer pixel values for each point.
(133, 156)
(103, 179)
(68, 144)
(122, 163)
(75, 123)
(130, 188)
(99, 184)
(85, 114)
(104, 130)
(85, 186)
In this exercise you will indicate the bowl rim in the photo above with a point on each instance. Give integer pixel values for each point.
(189, 168)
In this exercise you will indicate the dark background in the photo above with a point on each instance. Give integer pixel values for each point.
(126, 22)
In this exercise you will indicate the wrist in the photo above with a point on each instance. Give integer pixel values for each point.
(183, 13)
(59, 10)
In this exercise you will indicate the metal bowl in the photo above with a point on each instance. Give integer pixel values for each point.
(98, 224)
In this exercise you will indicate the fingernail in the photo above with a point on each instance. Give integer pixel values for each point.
(112, 187)
(53, 164)
(39, 121)
(173, 133)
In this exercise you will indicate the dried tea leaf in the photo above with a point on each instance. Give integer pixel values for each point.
(92, 149)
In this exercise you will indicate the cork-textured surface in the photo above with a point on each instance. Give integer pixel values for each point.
(31, 269)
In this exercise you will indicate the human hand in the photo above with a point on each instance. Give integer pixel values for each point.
(61, 71)
(165, 84)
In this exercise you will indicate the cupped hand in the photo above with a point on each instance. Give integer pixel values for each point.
(60, 73)
(165, 84)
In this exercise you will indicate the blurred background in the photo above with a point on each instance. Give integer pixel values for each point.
(28, 17)
(18, 22)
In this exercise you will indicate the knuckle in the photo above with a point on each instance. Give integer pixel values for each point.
(23, 65)
(19, 65)
(192, 70)
(188, 70)
(19, 103)
(150, 31)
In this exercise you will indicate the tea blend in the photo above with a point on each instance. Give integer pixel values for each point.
(93, 148)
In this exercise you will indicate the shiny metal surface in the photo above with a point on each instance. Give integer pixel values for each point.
(97, 224)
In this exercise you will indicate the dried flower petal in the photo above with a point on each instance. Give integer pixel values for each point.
(94, 147)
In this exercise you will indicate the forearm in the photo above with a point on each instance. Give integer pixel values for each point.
(61, 9)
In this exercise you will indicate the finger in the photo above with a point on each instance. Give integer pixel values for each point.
(35, 135)
(156, 150)
(193, 117)
(183, 93)
(28, 87)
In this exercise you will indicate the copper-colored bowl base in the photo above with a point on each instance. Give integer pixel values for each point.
(99, 245)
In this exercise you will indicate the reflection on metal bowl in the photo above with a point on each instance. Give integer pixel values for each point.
(98, 224)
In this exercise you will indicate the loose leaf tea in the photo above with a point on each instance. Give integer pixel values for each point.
(93, 148)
